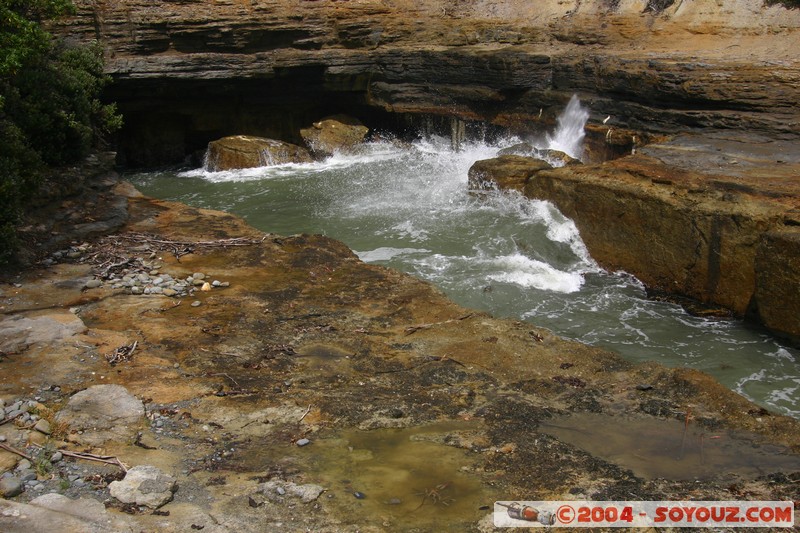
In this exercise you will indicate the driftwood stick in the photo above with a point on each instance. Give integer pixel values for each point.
(306, 413)
(11, 449)
(107, 459)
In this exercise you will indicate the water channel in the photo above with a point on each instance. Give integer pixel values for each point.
(407, 206)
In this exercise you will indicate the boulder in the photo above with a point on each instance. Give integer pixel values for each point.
(242, 151)
(330, 136)
(17, 332)
(505, 172)
(102, 413)
(144, 485)
(55, 512)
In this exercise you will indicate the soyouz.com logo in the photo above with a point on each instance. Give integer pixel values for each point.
(643, 514)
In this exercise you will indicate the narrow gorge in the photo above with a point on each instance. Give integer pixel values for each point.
(217, 355)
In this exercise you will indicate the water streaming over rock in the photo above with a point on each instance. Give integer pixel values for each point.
(408, 207)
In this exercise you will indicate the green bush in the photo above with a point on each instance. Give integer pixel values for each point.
(50, 108)
(788, 4)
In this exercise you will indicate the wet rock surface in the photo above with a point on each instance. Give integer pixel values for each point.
(243, 151)
(693, 216)
(307, 343)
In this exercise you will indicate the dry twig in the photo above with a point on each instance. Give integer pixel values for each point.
(11, 449)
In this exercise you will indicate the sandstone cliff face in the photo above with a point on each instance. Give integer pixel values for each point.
(198, 71)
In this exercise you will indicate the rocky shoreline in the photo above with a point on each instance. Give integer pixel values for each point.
(319, 392)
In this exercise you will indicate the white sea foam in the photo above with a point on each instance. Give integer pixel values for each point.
(385, 253)
(526, 272)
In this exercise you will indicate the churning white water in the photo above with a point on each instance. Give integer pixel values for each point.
(408, 207)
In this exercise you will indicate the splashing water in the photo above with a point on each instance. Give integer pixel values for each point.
(568, 136)
(408, 207)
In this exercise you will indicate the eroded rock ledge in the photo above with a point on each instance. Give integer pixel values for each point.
(308, 345)
(713, 218)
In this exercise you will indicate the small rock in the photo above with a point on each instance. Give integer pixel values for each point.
(306, 493)
(206, 287)
(136, 290)
(144, 485)
(216, 283)
(280, 490)
(56, 457)
(256, 500)
(27, 475)
(2, 438)
(169, 292)
(359, 495)
(644, 386)
(93, 284)
(303, 442)
(196, 303)
(11, 486)
(43, 426)
(199, 275)
(396, 413)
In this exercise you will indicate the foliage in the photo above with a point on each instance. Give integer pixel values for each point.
(50, 108)
(788, 4)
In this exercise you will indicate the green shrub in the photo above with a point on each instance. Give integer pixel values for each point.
(50, 108)
(788, 4)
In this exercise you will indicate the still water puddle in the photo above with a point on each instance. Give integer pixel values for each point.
(654, 448)
(400, 478)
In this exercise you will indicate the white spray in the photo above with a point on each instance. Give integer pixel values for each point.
(569, 134)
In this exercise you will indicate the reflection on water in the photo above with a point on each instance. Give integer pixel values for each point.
(669, 449)
(400, 479)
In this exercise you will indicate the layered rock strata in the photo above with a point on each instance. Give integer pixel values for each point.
(192, 73)
(706, 218)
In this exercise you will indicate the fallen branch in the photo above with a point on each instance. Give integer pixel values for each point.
(107, 459)
(16, 451)
(306, 413)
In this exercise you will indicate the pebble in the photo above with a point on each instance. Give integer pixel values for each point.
(136, 290)
(303, 442)
(56, 457)
(280, 490)
(359, 495)
(644, 386)
(93, 284)
(196, 303)
(199, 276)
(3, 438)
(169, 292)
